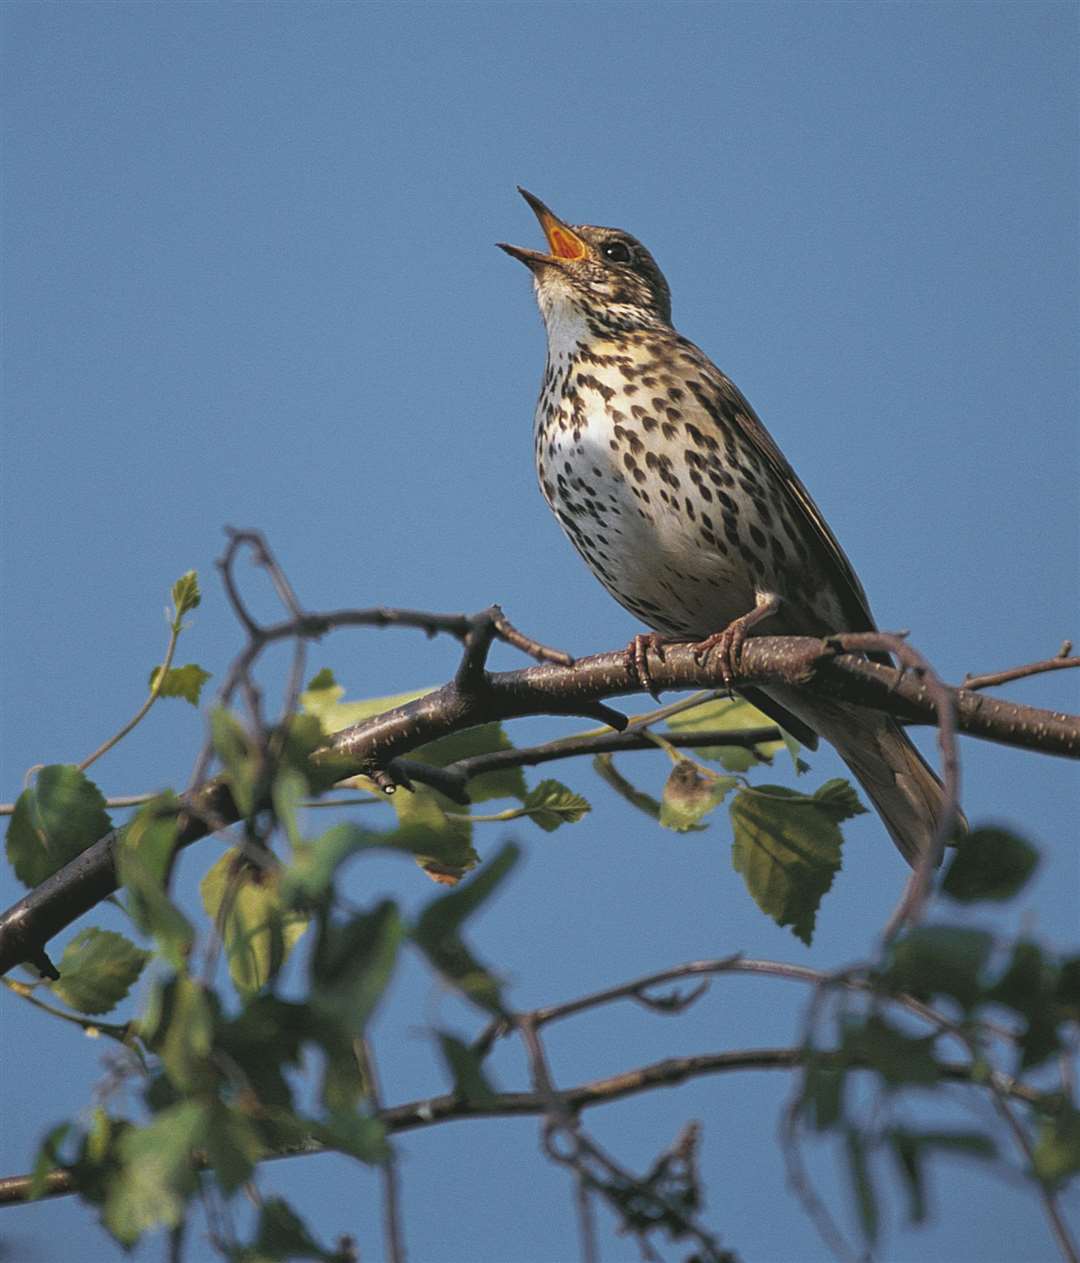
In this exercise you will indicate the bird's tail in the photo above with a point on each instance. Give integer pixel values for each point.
(906, 793)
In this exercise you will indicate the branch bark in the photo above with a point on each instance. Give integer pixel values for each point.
(477, 696)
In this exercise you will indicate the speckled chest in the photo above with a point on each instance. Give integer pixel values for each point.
(645, 494)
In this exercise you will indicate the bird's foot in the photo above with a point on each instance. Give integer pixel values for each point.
(729, 642)
(637, 658)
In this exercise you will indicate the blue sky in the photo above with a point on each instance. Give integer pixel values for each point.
(250, 279)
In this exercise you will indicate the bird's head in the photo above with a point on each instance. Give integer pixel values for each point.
(602, 275)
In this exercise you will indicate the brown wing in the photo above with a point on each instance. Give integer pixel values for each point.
(729, 406)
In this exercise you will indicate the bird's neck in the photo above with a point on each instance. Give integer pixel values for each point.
(572, 329)
(568, 331)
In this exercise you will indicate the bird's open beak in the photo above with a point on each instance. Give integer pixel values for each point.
(563, 242)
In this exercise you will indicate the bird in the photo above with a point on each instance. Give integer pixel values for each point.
(684, 507)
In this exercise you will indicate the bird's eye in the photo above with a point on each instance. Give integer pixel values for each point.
(616, 252)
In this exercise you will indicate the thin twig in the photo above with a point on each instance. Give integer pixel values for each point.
(155, 692)
(583, 1152)
(1059, 663)
(608, 743)
(559, 1120)
(120, 1032)
(123, 800)
(790, 1141)
(802, 1186)
(395, 1238)
(510, 634)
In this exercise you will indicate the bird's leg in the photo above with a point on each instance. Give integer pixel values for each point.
(637, 657)
(730, 640)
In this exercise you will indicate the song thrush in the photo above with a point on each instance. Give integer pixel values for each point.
(683, 506)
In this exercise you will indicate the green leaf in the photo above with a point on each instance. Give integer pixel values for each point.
(467, 1070)
(437, 932)
(551, 804)
(736, 715)
(157, 1177)
(352, 963)
(1057, 1148)
(940, 960)
(232, 1145)
(48, 1158)
(264, 1038)
(900, 1059)
(483, 739)
(97, 970)
(442, 843)
(144, 856)
(862, 1186)
(283, 1235)
(734, 758)
(299, 738)
(973, 1144)
(1028, 987)
(179, 1026)
(257, 930)
(1028, 981)
(323, 695)
(838, 799)
(55, 819)
(793, 746)
(604, 766)
(824, 1083)
(90, 1156)
(358, 1135)
(302, 751)
(233, 747)
(186, 682)
(907, 1153)
(1067, 990)
(787, 848)
(288, 791)
(100, 1134)
(185, 593)
(989, 864)
(309, 879)
(690, 793)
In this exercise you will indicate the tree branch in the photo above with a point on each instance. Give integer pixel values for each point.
(435, 1110)
(552, 689)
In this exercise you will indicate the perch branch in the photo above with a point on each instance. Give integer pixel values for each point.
(549, 688)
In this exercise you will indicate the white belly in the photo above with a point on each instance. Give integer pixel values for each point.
(633, 514)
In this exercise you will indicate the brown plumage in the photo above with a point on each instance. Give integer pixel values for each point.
(685, 508)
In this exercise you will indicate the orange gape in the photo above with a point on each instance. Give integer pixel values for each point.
(564, 245)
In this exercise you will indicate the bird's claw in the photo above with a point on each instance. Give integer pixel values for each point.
(729, 643)
(637, 659)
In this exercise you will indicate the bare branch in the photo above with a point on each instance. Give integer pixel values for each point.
(1060, 662)
(436, 1110)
